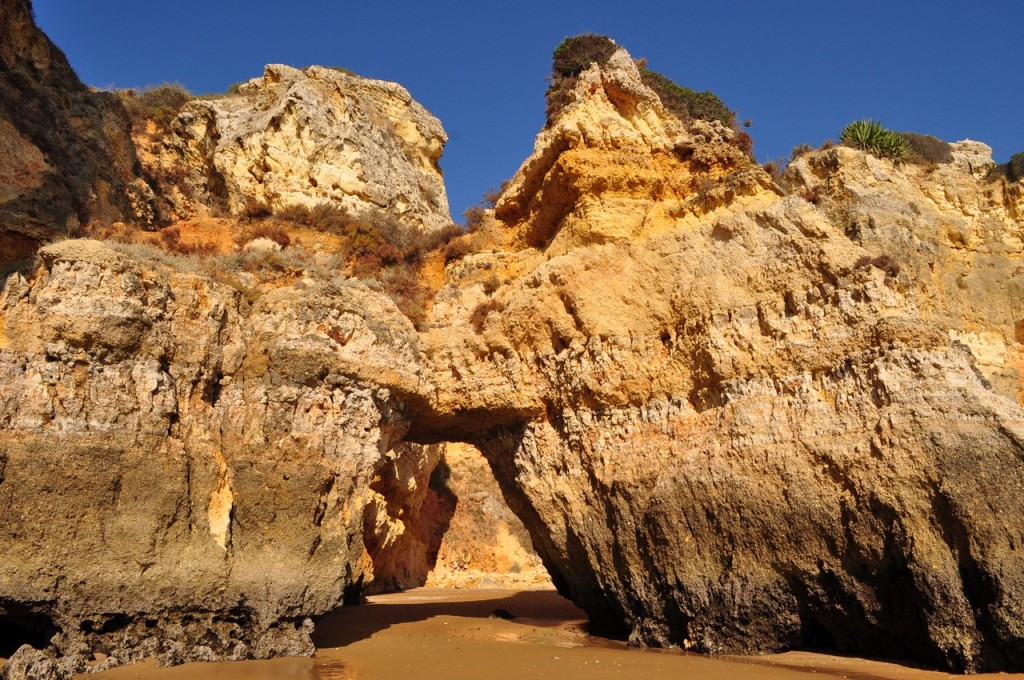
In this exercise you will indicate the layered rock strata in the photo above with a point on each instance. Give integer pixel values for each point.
(66, 156)
(953, 230)
(723, 430)
(726, 423)
(183, 475)
(302, 137)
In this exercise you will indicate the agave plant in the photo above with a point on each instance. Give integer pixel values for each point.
(873, 137)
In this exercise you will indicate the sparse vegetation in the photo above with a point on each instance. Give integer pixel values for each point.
(255, 209)
(273, 232)
(775, 168)
(479, 316)
(925, 149)
(1015, 168)
(378, 246)
(342, 69)
(685, 103)
(575, 55)
(812, 194)
(170, 239)
(799, 150)
(869, 135)
(159, 103)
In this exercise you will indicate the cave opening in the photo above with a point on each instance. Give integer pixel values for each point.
(22, 626)
(452, 530)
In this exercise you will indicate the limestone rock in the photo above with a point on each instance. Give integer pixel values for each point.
(183, 475)
(66, 156)
(484, 541)
(301, 137)
(955, 235)
(723, 431)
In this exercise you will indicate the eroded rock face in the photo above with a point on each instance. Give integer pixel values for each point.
(303, 137)
(66, 156)
(185, 476)
(954, 233)
(722, 429)
(484, 543)
(726, 424)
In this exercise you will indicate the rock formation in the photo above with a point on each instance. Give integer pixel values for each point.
(66, 156)
(302, 137)
(184, 475)
(484, 544)
(727, 422)
(722, 428)
(952, 230)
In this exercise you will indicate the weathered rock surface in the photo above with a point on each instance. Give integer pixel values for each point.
(66, 156)
(954, 233)
(724, 421)
(484, 543)
(300, 137)
(722, 430)
(185, 476)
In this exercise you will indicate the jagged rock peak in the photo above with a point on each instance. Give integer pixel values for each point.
(613, 161)
(301, 137)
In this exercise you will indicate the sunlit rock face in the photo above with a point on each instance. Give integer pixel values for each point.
(952, 229)
(186, 475)
(727, 424)
(304, 137)
(726, 421)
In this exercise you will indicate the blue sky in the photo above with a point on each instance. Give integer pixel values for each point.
(800, 69)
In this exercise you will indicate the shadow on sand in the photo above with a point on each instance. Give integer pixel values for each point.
(346, 625)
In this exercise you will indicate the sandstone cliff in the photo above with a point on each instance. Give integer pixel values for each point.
(954, 232)
(722, 429)
(182, 474)
(301, 137)
(66, 156)
(725, 422)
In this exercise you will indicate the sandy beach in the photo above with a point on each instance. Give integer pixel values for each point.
(451, 634)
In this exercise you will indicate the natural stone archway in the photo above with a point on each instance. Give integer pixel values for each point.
(725, 427)
(727, 423)
(455, 531)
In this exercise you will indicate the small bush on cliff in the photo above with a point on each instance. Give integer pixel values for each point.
(378, 246)
(575, 55)
(925, 149)
(685, 103)
(160, 104)
(1015, 168)
(869, 135)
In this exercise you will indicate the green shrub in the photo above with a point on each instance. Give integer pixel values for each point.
(925, 149)
(575, 55)
(799, 150)
(1015, 168)
(159, 103)
(685, 103)
(871, 136)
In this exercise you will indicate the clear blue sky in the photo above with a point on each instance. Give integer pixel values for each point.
(800, 69)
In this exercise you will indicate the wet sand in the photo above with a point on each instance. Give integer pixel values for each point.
(428, 634)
